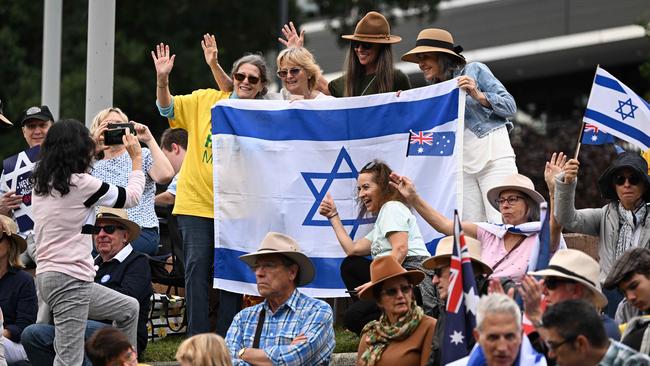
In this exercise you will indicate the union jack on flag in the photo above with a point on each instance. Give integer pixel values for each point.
(593, 136)
(422, 138)
(430, 143)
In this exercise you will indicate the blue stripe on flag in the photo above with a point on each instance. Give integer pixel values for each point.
(618, 126)
(304, 124)
(228, 266)
(609, 83)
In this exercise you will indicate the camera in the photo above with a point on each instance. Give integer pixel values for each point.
(113, 135)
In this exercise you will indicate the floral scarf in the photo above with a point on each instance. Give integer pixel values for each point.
(379, 333)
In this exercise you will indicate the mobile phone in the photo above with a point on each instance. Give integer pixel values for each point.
(130, 126)
(115, 131)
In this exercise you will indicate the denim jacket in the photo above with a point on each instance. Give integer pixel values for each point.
(479, 119)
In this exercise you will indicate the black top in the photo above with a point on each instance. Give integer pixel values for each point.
(369, 84)
(17, 301)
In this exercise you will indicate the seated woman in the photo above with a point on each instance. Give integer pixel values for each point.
(621, 224)
(395, 233)
(17, 292)
(403, 334)
(114, 168)
(206, 349)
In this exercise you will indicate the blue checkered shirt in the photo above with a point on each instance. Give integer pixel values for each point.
(300, 314)
(619, 354)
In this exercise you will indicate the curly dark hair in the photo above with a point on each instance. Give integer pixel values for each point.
(67, 150)
(381, 176)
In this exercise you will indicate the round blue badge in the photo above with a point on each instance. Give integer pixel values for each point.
(105, 278)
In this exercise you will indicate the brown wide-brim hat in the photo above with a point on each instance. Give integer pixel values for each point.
(4, 122)
(433, 40)
(385, 268)
(277, 243)
(515, 182)
(13, 233)
(119, 215)
(373, 28)
(445, 248)
(577, 266)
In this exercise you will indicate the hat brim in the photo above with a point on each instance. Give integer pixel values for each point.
(131, 227)
(598, 297)
(493, 194)
(307, 271)
(39, 117)
(414, 277)
(381, 40)
(411, 56)
(4, 121)
(444, 260)
(20, 242)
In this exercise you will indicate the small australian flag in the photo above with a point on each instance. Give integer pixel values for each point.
(431, 143)
(593, 136)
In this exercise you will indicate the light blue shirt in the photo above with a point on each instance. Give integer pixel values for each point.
(395, 216)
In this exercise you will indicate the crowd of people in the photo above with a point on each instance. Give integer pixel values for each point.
(92, 227)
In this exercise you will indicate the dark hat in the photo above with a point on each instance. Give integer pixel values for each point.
(41, 113)
(635, 260)
(625, 160)
(4, 122)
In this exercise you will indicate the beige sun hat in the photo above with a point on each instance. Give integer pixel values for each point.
(515, 182)
(433, 40)
(373, 28)
(385, 268)
(119, 215)
(3, 120)
(577, 266)
(445, 248)
(277, 243)
(13, 233)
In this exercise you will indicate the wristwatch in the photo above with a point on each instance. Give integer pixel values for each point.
(241, 352)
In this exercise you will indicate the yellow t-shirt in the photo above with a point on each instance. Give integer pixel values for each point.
(194, 194)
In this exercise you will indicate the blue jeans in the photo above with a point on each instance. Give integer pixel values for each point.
(38, 340)
(148, 241)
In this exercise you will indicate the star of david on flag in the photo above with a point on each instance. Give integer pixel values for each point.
(592, 136)
(615, 109)
(424, 143)
(17, 170)
(462, 300)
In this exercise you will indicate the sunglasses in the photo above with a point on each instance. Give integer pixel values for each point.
(108, 229)
(633, 179)
(251, 79)
(294, 71)
(365, 45)
(437, 272)
(392, 292)
(552, 283)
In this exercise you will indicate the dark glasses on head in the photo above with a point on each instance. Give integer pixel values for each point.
(241, 77)
(552, 283)
(108, 229)
(370, 165)
(392, 292)
(294, 71)
(365, 45)
(633, 179)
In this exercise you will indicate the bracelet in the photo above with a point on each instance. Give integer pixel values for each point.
(162, 87)
(331, 217)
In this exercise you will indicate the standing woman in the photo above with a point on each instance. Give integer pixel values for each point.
(299, 72)
(64, 200)
(488, 157)
(369, 61)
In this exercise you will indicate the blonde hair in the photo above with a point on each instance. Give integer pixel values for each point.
(206, 349)
(14, 253)
(101, 115)
(301, 57)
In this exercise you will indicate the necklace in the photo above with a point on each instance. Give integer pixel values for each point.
(369, 83)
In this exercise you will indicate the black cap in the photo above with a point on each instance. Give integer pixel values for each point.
(635, 260)
(4, 122)
(41, 113)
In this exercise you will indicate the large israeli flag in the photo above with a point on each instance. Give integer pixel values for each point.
(616, 109)
(276, 160)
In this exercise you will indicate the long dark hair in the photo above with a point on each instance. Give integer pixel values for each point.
(354, 71)
(67, 150)
(381, 176)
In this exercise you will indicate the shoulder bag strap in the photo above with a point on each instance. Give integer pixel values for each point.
(258, 329)
(523, 237)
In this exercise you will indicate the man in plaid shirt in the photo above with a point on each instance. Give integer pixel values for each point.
(288, 328)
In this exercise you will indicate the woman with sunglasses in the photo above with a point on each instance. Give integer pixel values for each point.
(299, 73)
(621, 224)
(395, 233)
(403, 333)
(194, 206)
(488, 156)
(64, 199)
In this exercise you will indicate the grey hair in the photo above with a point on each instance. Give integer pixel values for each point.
(449, 64)
(497, 304)
(533, 208)
(257, 61)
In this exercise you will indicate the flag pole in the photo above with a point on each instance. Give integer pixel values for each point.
(582, 127)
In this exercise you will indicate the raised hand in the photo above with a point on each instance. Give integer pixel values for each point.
(291, 36)
(143, 132)
(531, 294)
(327, 207)
(571, 170)
(554, 167)
(162, 61)
(210, 51)
(404, 186)
(132, 146)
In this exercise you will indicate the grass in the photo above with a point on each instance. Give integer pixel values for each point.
(165, 349)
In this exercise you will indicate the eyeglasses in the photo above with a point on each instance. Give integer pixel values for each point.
(511, 200)
(392, 292)
(241, 77)
(294, 71)
(633, 179)
(553, 346)
(265, 266)
(552, 283)
(108, 229)
(365, 45)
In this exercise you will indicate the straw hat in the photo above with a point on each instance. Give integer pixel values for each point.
(13, 233)
(385, 268)
(3, 120)
(373, 28)
(445, 248)
(515, 182)
(577, 266)
(276, 243)
(119, 215)
(433, 40)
